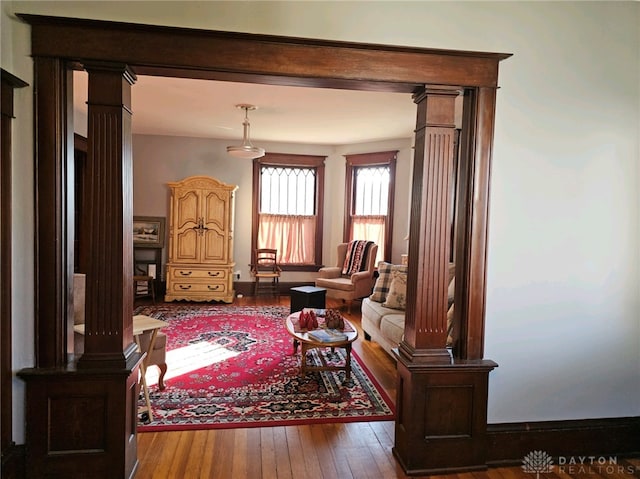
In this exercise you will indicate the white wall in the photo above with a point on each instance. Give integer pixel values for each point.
(563, 268)
(158, 160)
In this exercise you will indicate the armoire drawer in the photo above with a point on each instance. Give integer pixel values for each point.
(179, 273)
(179, 287)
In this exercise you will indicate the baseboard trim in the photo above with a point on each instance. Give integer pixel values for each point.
(13, 466)
(509, 443)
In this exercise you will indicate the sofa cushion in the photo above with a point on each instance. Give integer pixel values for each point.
(397, 295)
(381, 288)
(374, 311)
(342, 284)
(392, 327)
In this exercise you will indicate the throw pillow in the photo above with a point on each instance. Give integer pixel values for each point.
(381, 288)
(397, 296)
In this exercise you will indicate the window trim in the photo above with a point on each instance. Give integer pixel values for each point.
(383, 158)
(293, 161)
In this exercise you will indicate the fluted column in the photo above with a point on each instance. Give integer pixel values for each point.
(430, 228)
(108, 255)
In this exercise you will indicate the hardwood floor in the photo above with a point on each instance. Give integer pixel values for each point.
(330, 451)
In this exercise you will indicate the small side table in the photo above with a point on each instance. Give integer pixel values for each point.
(307, 297)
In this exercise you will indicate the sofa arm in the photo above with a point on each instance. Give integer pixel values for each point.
(329, 272)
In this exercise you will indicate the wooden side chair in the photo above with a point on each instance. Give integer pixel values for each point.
(265, 267)
(144, 285)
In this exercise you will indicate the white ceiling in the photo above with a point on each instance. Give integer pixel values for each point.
(206, 109)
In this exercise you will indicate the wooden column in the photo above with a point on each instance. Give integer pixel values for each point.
(82, 416)
(108, 235)
(429, 232)
(441, 401)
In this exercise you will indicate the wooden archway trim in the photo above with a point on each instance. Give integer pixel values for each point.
(170, 51)
(157, 50)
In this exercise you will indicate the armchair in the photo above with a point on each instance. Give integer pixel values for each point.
(157, 357)
(348, 287)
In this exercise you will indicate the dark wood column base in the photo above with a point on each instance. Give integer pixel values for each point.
(441, 421)
(77, 420)
(433, 356)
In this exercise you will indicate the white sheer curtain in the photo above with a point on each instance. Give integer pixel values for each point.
(372, 228)
(292, 235)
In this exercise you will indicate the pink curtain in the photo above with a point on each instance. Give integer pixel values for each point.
(372, 228)
(292, 235)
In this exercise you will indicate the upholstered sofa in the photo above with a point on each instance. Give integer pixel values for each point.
(383, 312)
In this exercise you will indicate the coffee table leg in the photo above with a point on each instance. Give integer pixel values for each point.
(303, 360)
(347, 367)
(295, 346)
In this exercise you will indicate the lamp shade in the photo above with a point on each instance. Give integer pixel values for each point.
(246, 150)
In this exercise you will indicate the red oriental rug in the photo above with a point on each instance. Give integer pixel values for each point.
(233, 366)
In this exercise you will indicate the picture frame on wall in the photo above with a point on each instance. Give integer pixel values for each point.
(149, 231)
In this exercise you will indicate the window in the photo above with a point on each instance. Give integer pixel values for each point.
(287, 210)
(368, 215)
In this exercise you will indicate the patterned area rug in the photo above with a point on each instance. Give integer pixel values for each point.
(233, 366)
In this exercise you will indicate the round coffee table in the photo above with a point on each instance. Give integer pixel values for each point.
(301, 337)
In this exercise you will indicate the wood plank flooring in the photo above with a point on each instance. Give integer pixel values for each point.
(327, 451)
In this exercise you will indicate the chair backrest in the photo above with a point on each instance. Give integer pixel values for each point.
(369, 260)
(265, 259)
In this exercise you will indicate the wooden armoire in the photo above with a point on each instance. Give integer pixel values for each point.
(200, 266)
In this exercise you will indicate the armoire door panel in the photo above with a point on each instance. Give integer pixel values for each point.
(187, 246)
(187, 209)
(214, 250)
(216, 210)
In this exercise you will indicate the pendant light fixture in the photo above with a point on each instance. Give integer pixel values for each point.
(246, 151)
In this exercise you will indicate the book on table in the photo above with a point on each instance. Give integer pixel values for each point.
(327, 335)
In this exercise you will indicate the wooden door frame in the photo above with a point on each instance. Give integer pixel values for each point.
(7, 446)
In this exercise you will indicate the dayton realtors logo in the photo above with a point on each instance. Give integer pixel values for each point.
(540, 462)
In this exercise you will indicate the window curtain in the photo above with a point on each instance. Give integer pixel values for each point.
(372, 228)
(292, 235)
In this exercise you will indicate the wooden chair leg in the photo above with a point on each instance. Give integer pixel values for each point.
(152, 287)
(163, 371)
